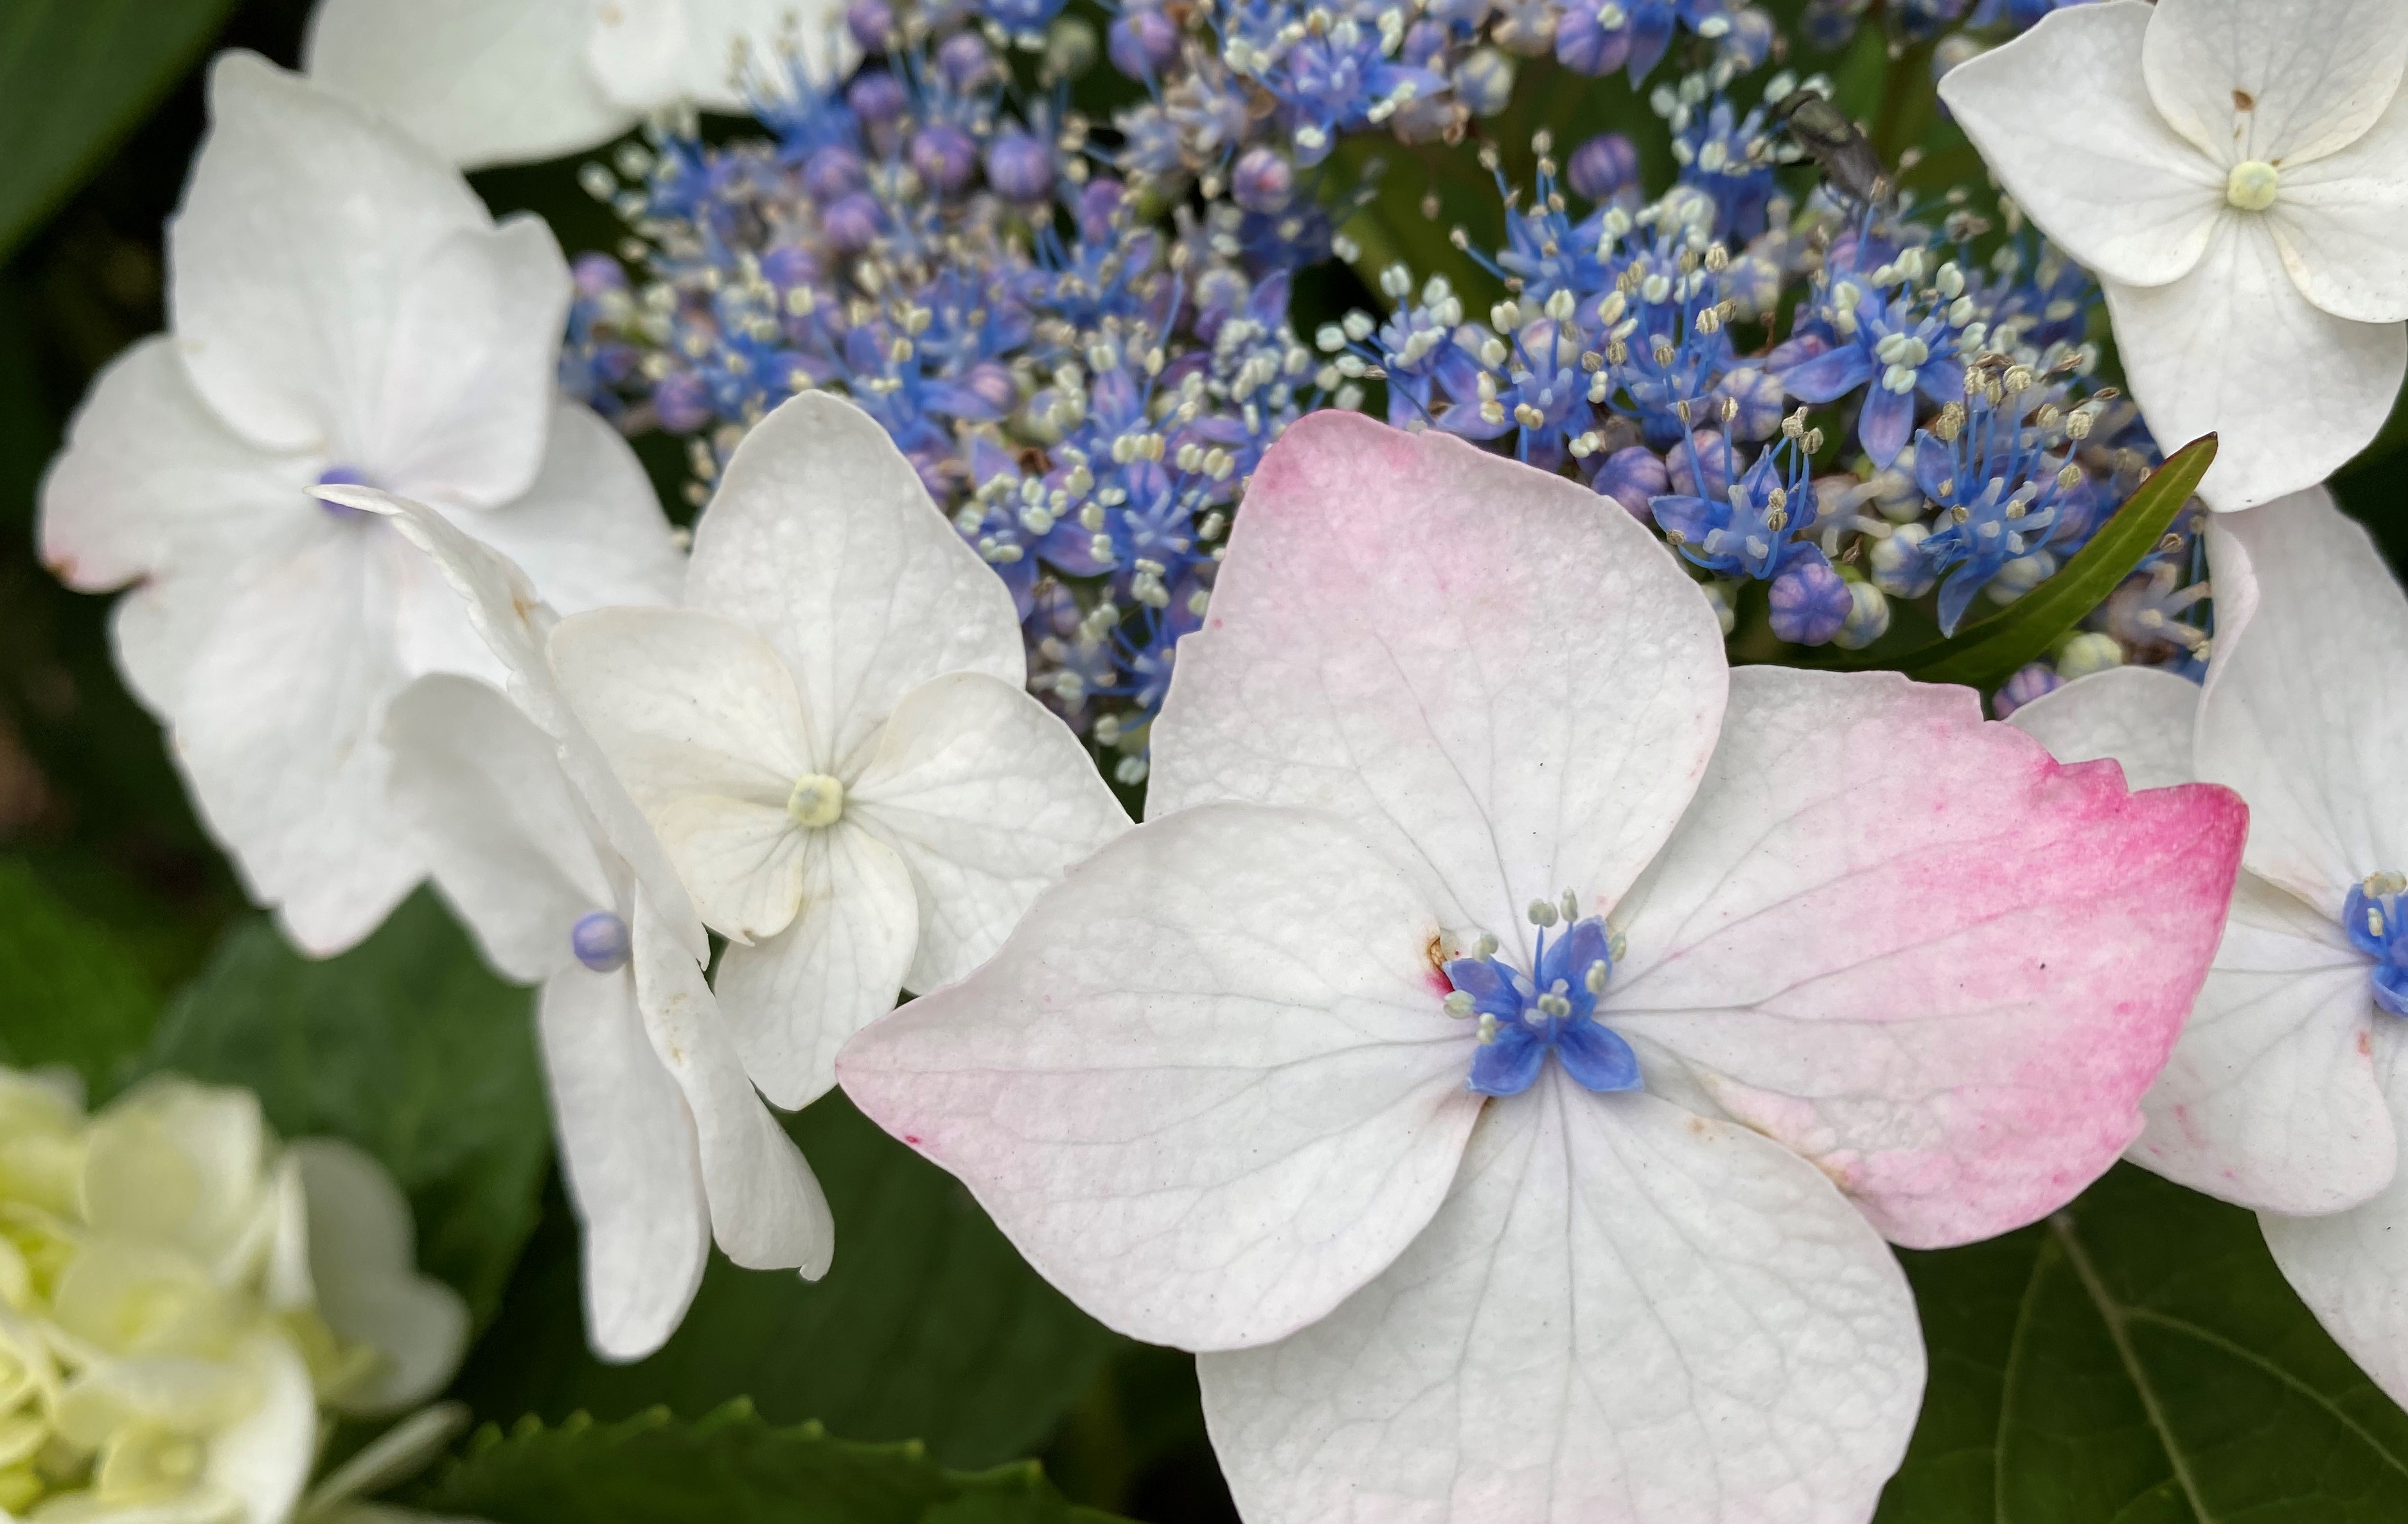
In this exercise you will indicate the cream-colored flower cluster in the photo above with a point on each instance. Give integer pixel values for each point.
(181, 1294)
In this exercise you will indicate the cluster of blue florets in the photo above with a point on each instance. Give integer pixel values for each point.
(1081, 337)
(1839, 402)
(1085, 388)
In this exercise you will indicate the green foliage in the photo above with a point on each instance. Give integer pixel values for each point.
(2138, 1359)
(75, 77)
(71, 993)
(1984, 655)
(728, 1468)
(406, 1047)
(929, 1325)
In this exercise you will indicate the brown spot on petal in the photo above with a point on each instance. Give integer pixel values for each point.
(2244, 101)
(1434, 953)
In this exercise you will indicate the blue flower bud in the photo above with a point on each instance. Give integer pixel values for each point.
(597, 275)
(599, 940)
(1632, 477)
(1583, 45)
(2026, 685)
(1142, 42)
(1019, 166)
(964, 61)
(833, 172)
(871, 23)
(876, 96)
(1603, 167)
(1809, 603)
(945, 156)
(682, 402)
(853, 223)
(1261, 180)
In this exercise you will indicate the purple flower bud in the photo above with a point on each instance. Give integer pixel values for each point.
(599, 940)
(1021, 17)
(945, 156)
(597, 275)
(990, 381)
(1261, 180)
(1584, 46)
(1759, 396)
(790, 264)
(1749, 41)
(872, 25)
(964, 61)
(1097, 201)
(833, 172)
(1713, 455)
(1425, 41)
(853, 223)
(682, 402)
(1142, 42)
(1810, 602)
(1019, 166)
(1603, 167)
(1632, 476)
(2026, 685)
(876, 96)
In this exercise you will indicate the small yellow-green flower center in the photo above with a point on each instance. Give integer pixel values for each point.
(817, 800)
(2252, 184)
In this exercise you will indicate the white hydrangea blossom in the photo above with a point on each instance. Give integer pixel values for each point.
(179, 1296)
(343, 309)
(503, 81)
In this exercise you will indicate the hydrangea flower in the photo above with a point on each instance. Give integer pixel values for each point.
(506, 81)
(1456, 754)
(186, 1293)
(2236, 172)
(344, 311)
(2285, 1092)
(664, 1142)
(833, 739)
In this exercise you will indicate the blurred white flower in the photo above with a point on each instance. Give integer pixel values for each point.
(2236, 174)
(179, 1296)
(343, 309)
(834, 741)
(502, 82)
(663, 1140)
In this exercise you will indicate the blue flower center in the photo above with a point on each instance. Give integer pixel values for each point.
(343, 476)
(2377, 924)
(599, 940)
(1523, 1016)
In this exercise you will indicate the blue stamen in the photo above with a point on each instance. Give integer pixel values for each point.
(343, 476)
(2377, 924)
(1523, 1018)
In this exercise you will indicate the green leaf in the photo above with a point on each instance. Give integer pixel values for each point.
(72, 994)
(929, 1325)
(2138, 1359)
(75, 77)
(406, 1047)
(1987, 653)
(729, 1468)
